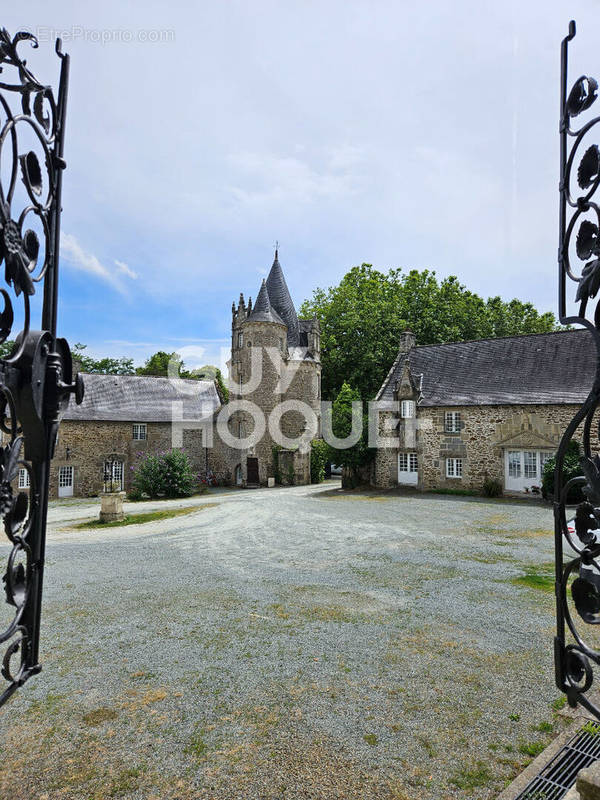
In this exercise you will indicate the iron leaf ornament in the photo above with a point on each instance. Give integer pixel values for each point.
(576, 537)
(36, 379)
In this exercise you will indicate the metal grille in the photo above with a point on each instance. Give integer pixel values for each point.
(558, 776)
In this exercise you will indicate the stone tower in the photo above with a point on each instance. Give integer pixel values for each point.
(275, 364)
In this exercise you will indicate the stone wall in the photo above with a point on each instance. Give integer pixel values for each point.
(486, 432)
(85, 446)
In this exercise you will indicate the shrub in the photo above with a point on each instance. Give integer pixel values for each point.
(166, 475)
(571, 469)
(291, 475)
(492, 488)
(319, 457)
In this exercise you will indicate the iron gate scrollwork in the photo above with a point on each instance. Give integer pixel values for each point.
(36, 377)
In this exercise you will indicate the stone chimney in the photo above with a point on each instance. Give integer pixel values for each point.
(407, 341)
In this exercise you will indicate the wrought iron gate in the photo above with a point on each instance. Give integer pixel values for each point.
(578, 579)
(36, 376)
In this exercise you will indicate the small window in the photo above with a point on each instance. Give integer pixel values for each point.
(240, 339)
(452, 422)
(407, 462)
(407, 409)
(454, 467)
(139, 431)
(249, 344)
(24, 479)
(281, 345)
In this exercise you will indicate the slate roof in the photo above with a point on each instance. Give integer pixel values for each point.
(281, 301)
(540, 368)
(141, 398)
(263, 311)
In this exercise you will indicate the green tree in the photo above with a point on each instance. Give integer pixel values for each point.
(223, 390)
(362, 318)
(6, 348)
(319, 457)
(358, 454)
(158, 365)
(103, 366)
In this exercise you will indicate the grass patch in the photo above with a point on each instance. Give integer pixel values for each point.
(532, 749)
(539, 576)
(99, 715)
(125, 782)
(559, 703)
(149, 516)
(196, 746)
(592, 728)
(370, 738)
(471, 778)
(543, 727)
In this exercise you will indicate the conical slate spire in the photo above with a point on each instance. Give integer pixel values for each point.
(263, 311)
(281, 301)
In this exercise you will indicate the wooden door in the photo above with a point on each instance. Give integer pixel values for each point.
(252, 470)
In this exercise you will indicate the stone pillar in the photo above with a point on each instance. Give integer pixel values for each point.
(111, 507)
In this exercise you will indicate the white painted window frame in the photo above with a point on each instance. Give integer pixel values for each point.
(407, 409)
(140, 428)
(452, 422)
(454, 468)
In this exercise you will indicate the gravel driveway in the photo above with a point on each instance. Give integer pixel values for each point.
(289, 643)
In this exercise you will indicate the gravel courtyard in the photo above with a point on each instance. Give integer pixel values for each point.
(289, 643)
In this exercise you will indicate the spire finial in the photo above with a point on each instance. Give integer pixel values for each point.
(276, 248)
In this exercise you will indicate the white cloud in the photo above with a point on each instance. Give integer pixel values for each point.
(85, 261)
(126, 270)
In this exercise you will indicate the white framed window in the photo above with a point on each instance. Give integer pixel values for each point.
(407, 409)
(514, 464)
(407, 462)
(24, 479)
(140, 431)
(530, 461)
(113, 475)
(452, 422)
(524, 469)
(240, 339)
(454, 467)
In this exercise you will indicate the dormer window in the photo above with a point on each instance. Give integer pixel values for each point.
(407, 409)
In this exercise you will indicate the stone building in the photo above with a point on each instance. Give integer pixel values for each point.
(458, 413)
(121, 418)
(275, 365)
(275, 373)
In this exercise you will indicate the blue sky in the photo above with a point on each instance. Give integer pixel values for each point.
(401, 134)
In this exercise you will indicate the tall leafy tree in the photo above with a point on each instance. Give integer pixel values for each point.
(103, 366)
(362, 318)
(358, 454)
(158, 365)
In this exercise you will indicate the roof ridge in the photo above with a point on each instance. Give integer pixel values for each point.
(153, 377)
(499, 338)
